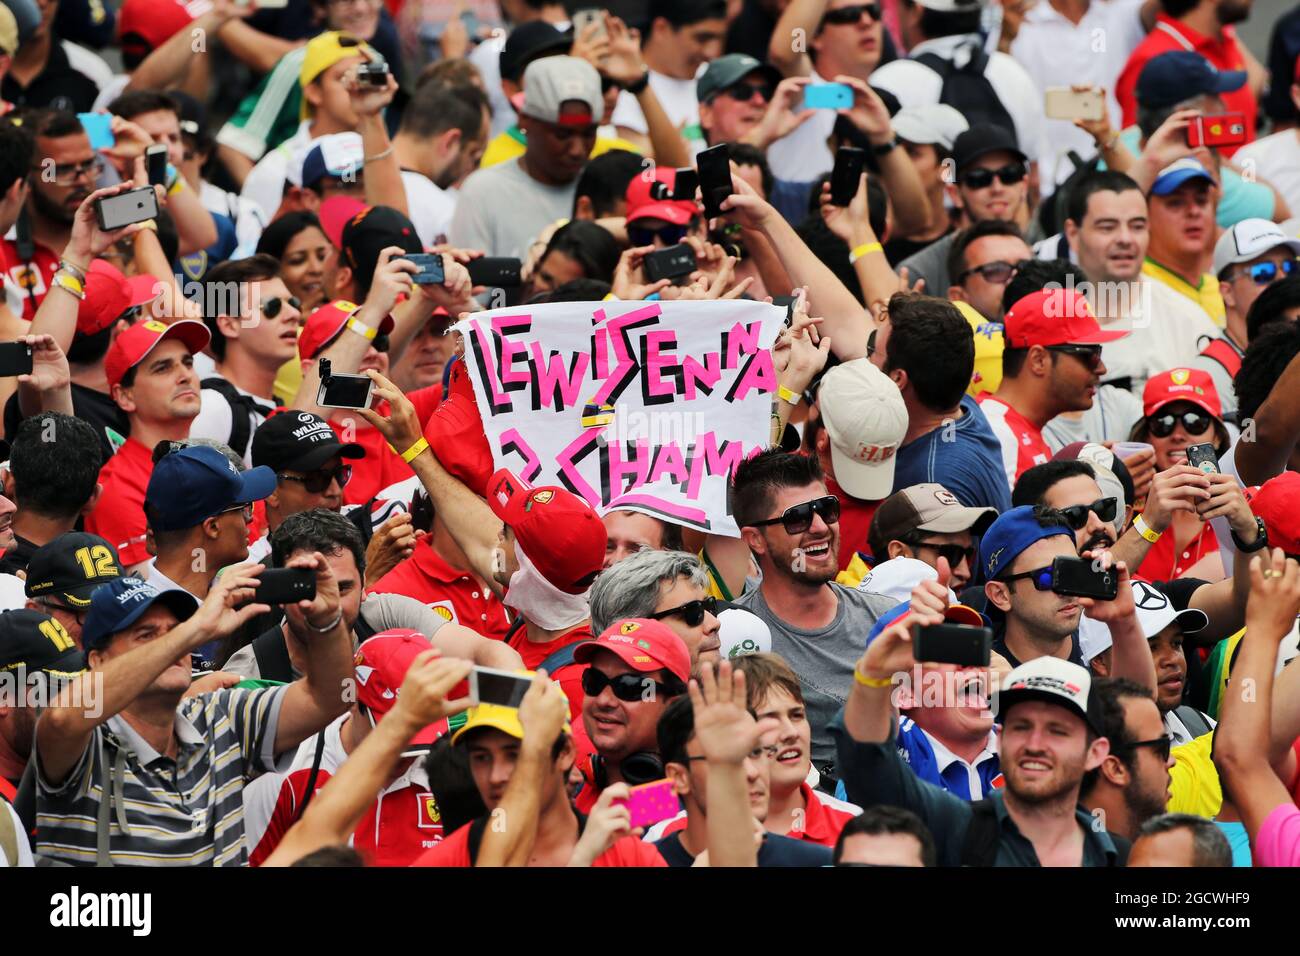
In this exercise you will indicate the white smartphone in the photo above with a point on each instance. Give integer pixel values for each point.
(488, 685)
(583, 18)
(1061, 102)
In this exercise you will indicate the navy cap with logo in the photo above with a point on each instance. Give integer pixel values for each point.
(117, 605)
(36, 642)
(299, 441)
(69, 568)
(197, 483)
(1012, 533)
(1181, 75)
(369, 233)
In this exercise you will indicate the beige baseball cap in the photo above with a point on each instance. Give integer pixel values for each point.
(8, 31)
(865, 420)
(928, 507)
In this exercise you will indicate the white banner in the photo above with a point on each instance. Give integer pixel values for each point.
(640, 406)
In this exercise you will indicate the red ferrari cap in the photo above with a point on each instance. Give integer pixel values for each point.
(1181, 385)
(381, 663)
(1277, 501)
(1054, 317)
(642, 645)
(109, 293)
(455, 433)
(327, 322)
(642, 204)
(558, 531)
(131, 347)
(334, 214)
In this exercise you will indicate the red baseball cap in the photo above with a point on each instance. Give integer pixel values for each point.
(131, 347)
(642, 204)
(558, 531)
(381, 663)
(145, 25)
(642, 645)
(1277, 501)
(334, 214)
(455, 433)
(109, 293)
(327, 322)
(1181, 385)
(1054, 317)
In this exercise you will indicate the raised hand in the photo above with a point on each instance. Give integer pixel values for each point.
(391, 544)
(323, 609)
(1274, 595)
(724, 728)
(392, 279)
(422, 699)
(49, 365)
(543, 712)
(609, 821)
(401, 426)
(630, 283)
(1109, 611)
(1180, 488)
(220, 613)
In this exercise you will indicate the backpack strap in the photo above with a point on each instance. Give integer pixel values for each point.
(1221, 351)
(311, 779)
(1193, 720)
(113, 782)
(937, 63)
(273, 657)
(561, 658)
(241, 429)
(980, 845)
(8, 834)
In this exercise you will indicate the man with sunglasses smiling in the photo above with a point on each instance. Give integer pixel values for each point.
(735, 93)
(982, 262)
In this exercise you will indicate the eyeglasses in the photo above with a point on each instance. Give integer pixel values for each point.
(1007, 175)
(1161, 746)
(65, 175)
(1042, 578)
(271, 307)
(1089, 355)
(744, 92)
(643, 236)
(1076, 516)
(245, 507)
(847, 15)
(955, 554)
(758, 753)
(692, 612)
(1262, 273)
(626, 687)
(1194, 423)
(997, 272)
(798, 518)
(316, 482)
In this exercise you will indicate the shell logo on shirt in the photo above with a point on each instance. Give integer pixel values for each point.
(445, 611)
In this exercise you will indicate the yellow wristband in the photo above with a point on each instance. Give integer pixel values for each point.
(1145, 529)
(786, 395)
(415, 450)
(609, 297)
(872, 681)
(176, 186)
(863, 250)
(66, 281)
(149, 224)
(363, 330)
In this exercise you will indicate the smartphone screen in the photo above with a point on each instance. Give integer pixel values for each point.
(954, 644)
(1077, 577)
(285, 586)
(828, 96)
(714, 165)
(847, 174)
(1203, 457)
(345, 391)
(156, 159)
(487, 685)
(651, 802)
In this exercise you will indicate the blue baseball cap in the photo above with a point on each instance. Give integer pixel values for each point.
(1177, 173)
(199, 482)
(1182, 75)
(955, 614)
(117, 605)
(1011, 534)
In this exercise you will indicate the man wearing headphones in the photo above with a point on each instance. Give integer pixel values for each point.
(634, 669)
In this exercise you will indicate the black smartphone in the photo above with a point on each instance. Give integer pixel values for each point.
(155, 158)
(285, 586)
(714, 165)
(685, 184)
(671, 263)
(374, 73)
(1078, 578)
(501, 272)
(343, 390)
(137, 205)
(421, 511)
(958, 644)
(1202, 456)
(432, 271)
(488, 685)
(786, 302)
(847, 174)
(15, 359)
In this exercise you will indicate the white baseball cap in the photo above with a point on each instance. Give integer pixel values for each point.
(865, 420)
(897, 577)
(933, 124)
(336, 154)
(742, 632)
(1048, 679)
(1155, 612)
(1248, 239)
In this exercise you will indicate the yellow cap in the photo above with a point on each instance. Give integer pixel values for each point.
(504, 719)
(326, 49)
(988, 350)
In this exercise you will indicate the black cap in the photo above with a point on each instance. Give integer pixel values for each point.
(369, 233)
(299, 441)
(70, 567)
(982, 139)
(526, 43)
(1181, 75)
(36, 642)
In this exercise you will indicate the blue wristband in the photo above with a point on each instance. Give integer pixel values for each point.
(652, 297)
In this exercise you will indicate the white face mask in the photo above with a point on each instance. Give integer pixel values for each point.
(540, 601)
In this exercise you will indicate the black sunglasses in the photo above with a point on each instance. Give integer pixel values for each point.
(1194, 423)
(271, 307)
(1161, 746)
(744, 92)
(998, 272)
(316, 482)
(846, 15)
(626, 687)
(1042, 578)
(954, 553)
(1076, 516)
(692, 612)
(1007, 175)
(643, 236)
(798, 518)
(1089, 355)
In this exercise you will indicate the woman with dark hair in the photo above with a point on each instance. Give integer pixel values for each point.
(577, 250)
(307, 259)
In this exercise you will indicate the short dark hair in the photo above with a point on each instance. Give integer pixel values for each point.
(452, 784)
(317, 530)
(967, 237)
(682, 13)
(575, 290)
(136, 102)
(436, 108)
(588, 244)
(934, 344)
(55, 124)
(675, 729)
(1037, 274)
(338, 855)
(1106, 704)
(254, 268)
(88, 349)
(756, 481)
(1272, 303)
(55, 460)
(1210, 846)
(277, 235)
(1265, 360)
(604, 180)
(1033, 485)
(16, 149)
(1178, 8)
(880, 820)
(747, 154)
(1097, 181)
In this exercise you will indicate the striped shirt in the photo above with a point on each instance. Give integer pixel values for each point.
(183, 812)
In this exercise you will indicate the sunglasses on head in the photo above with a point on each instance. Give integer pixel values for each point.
(1076, 516)
(798, 518)
(1194, 423)
(692, 612)
(997, 272)
(626, 687)
(743, 92)
(1007, 175)
(1262, 273)
(645, 236)
(852, 14)
(272, 307)
(954, 553)
(315, 482)
(1089, 355)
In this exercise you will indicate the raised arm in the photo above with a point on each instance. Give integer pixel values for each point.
(799, 22)
(852, 223)
(624, 65)
(898, 173)
(169, 65)
(1277, 430)
(383, 174)
(1131, 655)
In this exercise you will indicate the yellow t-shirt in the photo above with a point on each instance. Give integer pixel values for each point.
(1194, 781)
(988, 351)
(510, 144)
(1206, 294)
(287, 381)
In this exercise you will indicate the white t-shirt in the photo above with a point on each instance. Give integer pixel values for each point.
(1275, 159)
(265, 183)
(215, 418)
(430, 206)
(24, 848)
(1167, 330)
(247, 216)
(91, 65)
(677, 97)
(1111, 418)
(13, 592)
(802, 155)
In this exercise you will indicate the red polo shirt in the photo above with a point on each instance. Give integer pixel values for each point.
(31, 283)
(824, 818)
(855, 522)
(1022, 441)
(1169, 35)
(570, 675)
(628, 851)
(382, 466)
(453, 594)
(119, 514)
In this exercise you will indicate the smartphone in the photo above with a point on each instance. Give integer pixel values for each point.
(285, 586)
(1222, 129)
(671, 263)
(958, 644)
(501, 272)
(828, 96)
(1076, 577)
(155, 158)
(786, 302)
(651, 802)
(343, 390)
(488, 685)
(137, 205)
(1061, 102)
(1203, 457)
(431, 268)
(584, 18)
(847, 174)
(99, 128)
(15, 359)
(714, 166)
(685, 182)
(374, 73)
